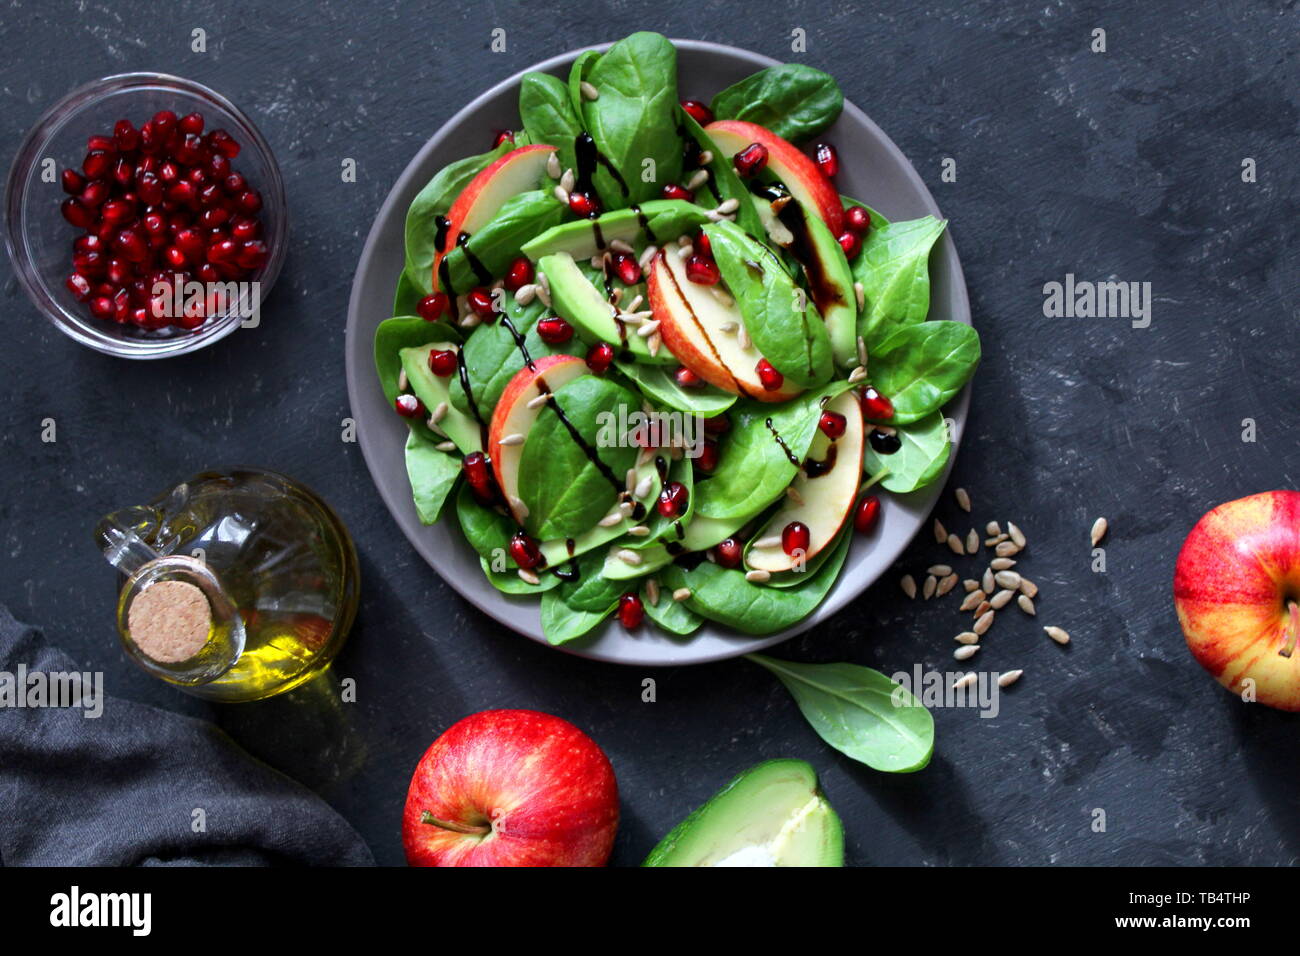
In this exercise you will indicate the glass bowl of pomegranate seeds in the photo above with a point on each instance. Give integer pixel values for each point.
(145, 216)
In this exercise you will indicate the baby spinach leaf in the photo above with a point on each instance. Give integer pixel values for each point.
(656, 383)
(591, 592)
(793, 100)
(565, 491)
(723, 177)
(561, 623)
(920, 459)
(894, 269)
(496, 245)
(723, 595)
(435, 200)
(577, 73)
(400, 332)
(486, 529)
(673, 616)
(634, 120)
(920, 367)
(432, 473)
(509, 582)
(548, 115)
(407, 296)
(860, 712)
(780, 318)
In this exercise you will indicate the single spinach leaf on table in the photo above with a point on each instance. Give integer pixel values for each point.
(894, 269)
(920, 367)
(793, 100)
(548, 115)
(434, 200)
(921, 457)
(672, 616)
(496, 245)
(432, 473)
(860, 712)
(657, 384)
(634, 120)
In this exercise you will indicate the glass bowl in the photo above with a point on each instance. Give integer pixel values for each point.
(40, 239)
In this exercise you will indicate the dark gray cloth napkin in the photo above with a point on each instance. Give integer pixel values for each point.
(123, 788)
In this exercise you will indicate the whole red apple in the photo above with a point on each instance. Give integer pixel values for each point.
(511, 788)
(1237, 588)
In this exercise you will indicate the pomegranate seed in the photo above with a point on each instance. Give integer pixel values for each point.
(795, 538)
(686, 378)
(502, 136)
(628, 269)
(93, 264)
(769, 376)
(183, 194)
(674, 191)
(827, 159)
(673, 499)
(729, 553)
(832, 424)
(600, 357)
(433, 307)
(208, 273)
(192, 123)
(250, 200)
(101, 307)
(857, 219)
(123, 173)
(851, 243)
(88, 243)
(223, 250)
(223, 143)
(480, 300)
(702, 270)
(150, 188)
(751, 160)
(214, 216)
(519, 274)
(703, 245)
(190, 150)
(219, 165)
(141, 317)
(120, 272)
(169, 172)
(717, 425)
(164, 123)
(79, 286)
(73, 182)
(190, 242)
(631, 612)
(235, 184)
(707, 460)
(115, 210)
(584, 205)
(252, 255)
(96, 164)
(150, 141)
(93, 196)
(698, 111)
(875, 407)
(554, 330)
(866, 514)
(211, 196)
(525, 552)
(131, 245)
(245, 229)
(125, 136)
(442, 362)
(477, 474)
(408, 406)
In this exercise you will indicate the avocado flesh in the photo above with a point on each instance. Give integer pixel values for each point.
(771, 815)
(831, 281)
(573, 297)
(665, 218)
(433, 391)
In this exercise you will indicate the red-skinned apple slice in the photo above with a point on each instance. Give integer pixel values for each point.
(692, 321)
(513, 416)
(800, 174)
(824, 502)
(517, 171)
(1237, 593)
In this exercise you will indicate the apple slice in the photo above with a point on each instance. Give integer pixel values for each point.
(513, 415)
(517, 171)
(800, 174)
(694, 322)
(824, 498)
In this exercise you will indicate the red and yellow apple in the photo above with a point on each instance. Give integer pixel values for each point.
(1237, 593)
(511, 788)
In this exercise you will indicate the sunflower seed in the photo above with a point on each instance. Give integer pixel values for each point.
(940, 532)
(561, 194)
(1009, 678)
(992, 528)
(939, 570)
(642, 488)
(965, 653)
(793, 494)
(653, 343)
(1026, 605)
(1002, 564)
(961, 683)
(685, 251)
(1007, 579)
(628, 556)
(972, 541)
(757, 576)
(773, 541)
(1028, 588)
(857, 375)
(984, 608)
(630, 479)
(589, 92)
(647, 255)
(986, 582)
(445, 446)
(648, 329)
(568, 181)
(984, 623)
(728, 207)
(635, 303)
(742, 337)
(553, 166)
(652, 591)
(639, 531)
(402, 382)
(955, 545)
(972, 601)
(698, 179)
(1001, 599)
(540, 400)
(1017, 535)
(723, 298)
(862, 352)
(931, 582)
(995, 540)
(435, 427)
(1057, 634)
(626, 507)
(1006, 549)
(528, 576)
(517, 438)
(728, 327)
(1098, 531)
(963, 499)
(967, 637)
(544, 294)
(525, 293)
(946, 584)
(970, 585)
(439, 413)
(518, 507)
(611, 519)
(681, 594)
(908, 584)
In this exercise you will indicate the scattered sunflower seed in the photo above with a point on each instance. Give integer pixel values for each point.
(517, 438)
(629, 480)
(1002, 564)
(528, 577)
(642, 488)
(972, 541)
(611, 519)
(1098, 532)
(946, 584)
(995, 540)
(681, 594)
(961, 683)
(742, 338)
(967, 637)
(972, 601)
(931, 582)
(955, 545)
(940, 532)
(793, 494)
(963, 499)
(1060, 635)
(640, 531)
(992, 529)
(965, 653)
(862, 351)
(1009, 678)
(553, 166)
(439, 413)
(652, 591)
(628, 556)
(1017, 535)
(970, 585)
(860, 294)
(647, 255)
(984, 623)
(1026, 605)
(728, 207)
(540, 400)
(939, 570)
(445, 446)
(402, 382)
(1007, 579)
(1001, 599)
(987, 581)
(698, 179)
(653, 343)
(589, 92)
(1007, 549)
(561, 194)
(984, 607)
(908, 584)
(721, 295)
(757, 576)
(772, 541)
(857, 375)
(1028, 588)
(567, 182)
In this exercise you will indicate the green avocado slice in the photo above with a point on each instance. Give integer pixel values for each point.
(655, 221)
(773, 814)
(434, 391)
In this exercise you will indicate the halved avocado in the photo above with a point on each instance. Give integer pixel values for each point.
(773, 814)
(655, 221)
(434, 391)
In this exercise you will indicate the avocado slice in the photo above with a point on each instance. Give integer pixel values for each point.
(433, 391)
(830, 283)
(655, 221)
(773, 814)
(574, 297)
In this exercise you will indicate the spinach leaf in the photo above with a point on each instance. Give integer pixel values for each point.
(723, 178)
(400, 332)
(591, 592)
(486, 529)
(435, 200)
(723, 595)
(920, 367)
(894, 269)
(496, 245)
(548, 115)
(860, 712)
(566, 493)
(634, 120)
(672, 616)
(666, 529)
(407, 296)
(919, 460)
(509, 582)
(793, 100)
(780, 318)
(657, 383)
(577, 73)
(432, 474)
(561, 623)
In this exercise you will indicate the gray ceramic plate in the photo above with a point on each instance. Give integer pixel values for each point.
(872, 169)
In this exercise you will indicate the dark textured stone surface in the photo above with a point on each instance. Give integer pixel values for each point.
(1119, 165)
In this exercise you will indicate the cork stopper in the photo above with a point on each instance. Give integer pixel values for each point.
(169, 621)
